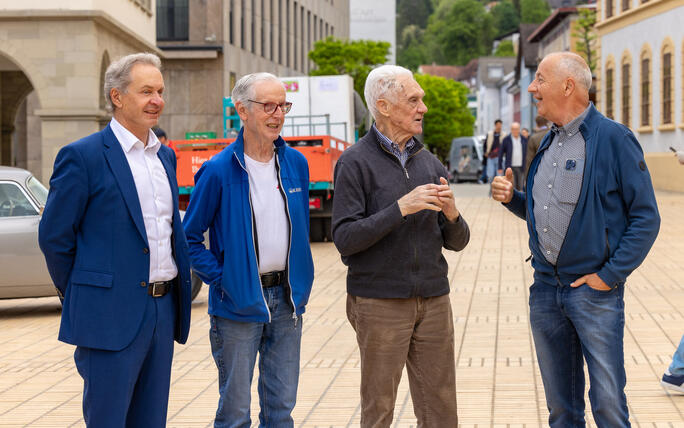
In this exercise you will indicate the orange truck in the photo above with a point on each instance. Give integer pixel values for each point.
(321, 152)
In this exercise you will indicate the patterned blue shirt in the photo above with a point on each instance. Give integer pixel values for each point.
(557, 185)
(393, 147)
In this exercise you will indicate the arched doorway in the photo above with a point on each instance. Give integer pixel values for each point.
(20, 129)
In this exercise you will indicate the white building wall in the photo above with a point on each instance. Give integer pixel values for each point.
(374, 20)
(652, 31)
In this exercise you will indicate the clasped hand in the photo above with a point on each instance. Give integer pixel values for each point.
(435, 197)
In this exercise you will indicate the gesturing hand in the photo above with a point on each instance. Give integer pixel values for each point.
(502, 187)
(425, 197)
(448, 203)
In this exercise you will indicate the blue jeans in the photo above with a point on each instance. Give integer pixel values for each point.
(234, 346)
(492, 165)
(570, 326)
(677, 366)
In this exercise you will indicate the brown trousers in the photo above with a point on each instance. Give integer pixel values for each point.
(418, 332)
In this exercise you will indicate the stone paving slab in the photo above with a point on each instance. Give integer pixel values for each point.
(498, 380)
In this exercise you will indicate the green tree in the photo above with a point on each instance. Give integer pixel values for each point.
(412, 12)
(458, 31)
(448, 115)
(505, 18)
(534, 11)
(586, 36)
(411, 51)
(353, 57)
(505, 48)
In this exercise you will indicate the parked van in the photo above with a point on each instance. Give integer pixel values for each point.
(465, 159)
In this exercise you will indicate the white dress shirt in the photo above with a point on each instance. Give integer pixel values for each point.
(154, 194)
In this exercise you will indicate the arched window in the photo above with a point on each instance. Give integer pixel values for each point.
(626, 90)
(645, 79)
(609, 8)
(610, 88)
(667, 82)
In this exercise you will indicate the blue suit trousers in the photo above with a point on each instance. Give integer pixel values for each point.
(130, 388)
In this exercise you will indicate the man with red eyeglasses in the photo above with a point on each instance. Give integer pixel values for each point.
(253, 197)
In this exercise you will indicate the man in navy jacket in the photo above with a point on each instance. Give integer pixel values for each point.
(513, 150)
(592, 218)
(115, 248)
(253, 197)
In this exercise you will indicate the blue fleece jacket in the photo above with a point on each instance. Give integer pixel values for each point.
(220, 202)
(616, 219)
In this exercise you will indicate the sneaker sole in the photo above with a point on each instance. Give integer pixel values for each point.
(671, 386)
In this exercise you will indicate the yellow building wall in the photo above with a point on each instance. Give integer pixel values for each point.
(666, 171)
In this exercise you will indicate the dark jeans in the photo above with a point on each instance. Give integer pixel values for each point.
(570, 326)
(417, 332)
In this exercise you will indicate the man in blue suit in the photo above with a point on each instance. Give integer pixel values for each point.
(115, 248)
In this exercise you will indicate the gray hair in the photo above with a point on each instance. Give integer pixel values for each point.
(118, 74)
(576, 67)
(244, 89)
(382, 82)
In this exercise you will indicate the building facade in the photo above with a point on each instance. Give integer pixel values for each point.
(494, 75)
(53, 59)
(374, 20)
(52, 63)
(208, 45)
(641, 45)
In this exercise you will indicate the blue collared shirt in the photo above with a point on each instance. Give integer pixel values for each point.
(393, 147)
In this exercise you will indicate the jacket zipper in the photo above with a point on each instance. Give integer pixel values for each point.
(415, 250)
(289, 245)
(251, 213)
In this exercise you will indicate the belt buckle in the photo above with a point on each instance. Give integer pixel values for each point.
(154, 289)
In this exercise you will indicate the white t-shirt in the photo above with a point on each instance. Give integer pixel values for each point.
(273, 231)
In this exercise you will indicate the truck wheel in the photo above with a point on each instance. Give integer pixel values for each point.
(196, 285)
(316, 229)
(327, 229)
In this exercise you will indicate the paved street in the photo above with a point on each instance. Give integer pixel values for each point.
(497, 375)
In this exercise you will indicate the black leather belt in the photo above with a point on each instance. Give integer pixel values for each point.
(159, 288)
(272, 279)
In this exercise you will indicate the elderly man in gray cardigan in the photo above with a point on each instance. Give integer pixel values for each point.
(393, 212)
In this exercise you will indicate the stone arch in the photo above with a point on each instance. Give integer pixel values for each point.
(15, 87)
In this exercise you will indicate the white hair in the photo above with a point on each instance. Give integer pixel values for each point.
(244, 89)
(576, 67)
(382, 82)
(118, 74)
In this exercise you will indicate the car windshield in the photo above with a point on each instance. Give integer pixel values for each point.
(37, 190)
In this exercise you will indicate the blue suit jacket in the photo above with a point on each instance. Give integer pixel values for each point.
(94, 241)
